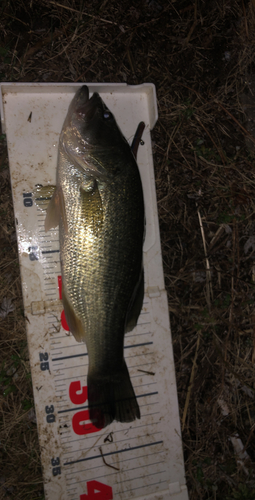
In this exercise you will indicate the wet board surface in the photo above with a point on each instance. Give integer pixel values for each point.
(141, 459)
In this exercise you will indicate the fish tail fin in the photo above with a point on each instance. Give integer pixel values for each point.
(111, 397)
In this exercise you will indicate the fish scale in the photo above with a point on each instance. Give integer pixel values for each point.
(101, 266)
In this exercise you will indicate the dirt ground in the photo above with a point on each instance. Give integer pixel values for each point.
(200, 55)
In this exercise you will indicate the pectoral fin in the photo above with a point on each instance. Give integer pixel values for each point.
(136, 305)
(73, 322)
(56, 210)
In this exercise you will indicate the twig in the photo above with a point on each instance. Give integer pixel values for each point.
(31, 51)
(108, 465)
(232, 291)
(229, 365)
(191, 383)
(15, 18)
(253, 339)
(249, 438)
(83, 13)
(147, 373)
(193, 25)
(237, 122)
(209, 291)
(245, 20)
(214, 143)
(80, 77)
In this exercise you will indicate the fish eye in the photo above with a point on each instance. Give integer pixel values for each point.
(107, 115)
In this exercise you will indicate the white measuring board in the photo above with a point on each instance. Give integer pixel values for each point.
(141, 459)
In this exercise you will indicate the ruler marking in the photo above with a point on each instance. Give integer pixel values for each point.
(61, 336)
(144, 456)
(43, 244)
(140, 364)
(82, 366)
(145, 384)
(77, 355)
(117, 432)
(135, 428)
(68, 368)
(71, 480)
(64, 346)
(138, 355)
(154, 413)
(50, 251)
(137, 345)
(49, 241)
(122, 461)
(69, 357)
(82, 343)
(148, 404)
(118, 441)
(148, 486)
(86, 406)
(139, 334)
(145, 475)
(43, 199)
(113, 452)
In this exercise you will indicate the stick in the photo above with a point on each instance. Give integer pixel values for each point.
(209, 291)
(108, 465)
(237, 122)
(83, 13)
(191, 383)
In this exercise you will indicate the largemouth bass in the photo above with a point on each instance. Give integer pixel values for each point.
(98, 204)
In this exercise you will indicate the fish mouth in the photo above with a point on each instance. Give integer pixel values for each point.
(85, 107)
(82, 95)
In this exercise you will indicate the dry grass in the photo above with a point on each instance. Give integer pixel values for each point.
(200, 55)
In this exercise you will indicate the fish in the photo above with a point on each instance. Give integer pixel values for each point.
(98, 204)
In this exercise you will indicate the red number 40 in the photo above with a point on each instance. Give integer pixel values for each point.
(97, 491)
